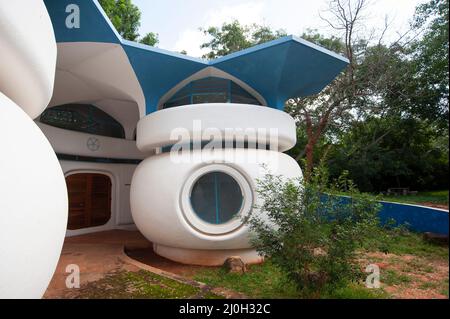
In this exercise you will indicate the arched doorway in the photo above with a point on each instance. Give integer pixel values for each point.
(89, 200)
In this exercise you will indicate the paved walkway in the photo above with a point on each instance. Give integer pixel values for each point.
(96, 254)
(100, 254)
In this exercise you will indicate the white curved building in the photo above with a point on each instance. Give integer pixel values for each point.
(143, 137)
(33, 194)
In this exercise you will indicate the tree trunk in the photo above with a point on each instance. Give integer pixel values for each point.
(309, 150)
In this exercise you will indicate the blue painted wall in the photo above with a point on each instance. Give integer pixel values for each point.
(94, 27)
(418, 218)
(278, 70)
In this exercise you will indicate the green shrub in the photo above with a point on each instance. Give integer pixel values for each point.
(311, 234)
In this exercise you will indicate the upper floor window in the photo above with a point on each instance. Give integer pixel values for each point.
(211, 90)
(84, 118)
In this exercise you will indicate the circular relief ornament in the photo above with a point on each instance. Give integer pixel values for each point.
(93, 144)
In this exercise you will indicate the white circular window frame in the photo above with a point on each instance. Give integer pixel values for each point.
(212, 229)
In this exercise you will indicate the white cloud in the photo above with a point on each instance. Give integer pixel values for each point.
(190, 40)
(246, 13)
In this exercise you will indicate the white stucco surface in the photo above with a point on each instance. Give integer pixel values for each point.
(89, 72)
(28, 54)
(245, 122)
(33, 205)
(77, 143)
(160, 205)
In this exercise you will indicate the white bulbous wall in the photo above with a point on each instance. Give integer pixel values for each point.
(163, 186)
(33, 205)
(33, 202)
(28, 60)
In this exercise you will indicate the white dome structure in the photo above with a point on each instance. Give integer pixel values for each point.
(33, 205)
(191, 203)
(27, 66)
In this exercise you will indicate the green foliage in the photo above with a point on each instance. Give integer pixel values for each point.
(444, 289)
(126, 18)
(269, 281)
(392, 127)
(399, 241)
(332, 42)
(261, 281)
(389, 152)
(435, 197)
(310, 234)
(233, 37)
(355, 291)
(151, 39)
(392, 277)
(430, 85)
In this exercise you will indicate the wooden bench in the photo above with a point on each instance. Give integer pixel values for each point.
(400, 191)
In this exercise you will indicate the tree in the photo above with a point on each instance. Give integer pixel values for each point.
(312, 238)
(389, 91)
(392, 151)
(429, 84)
(360, 87)
(404, 139)
(233, 37)
(151, 39)
(335, 100)
(126, 18)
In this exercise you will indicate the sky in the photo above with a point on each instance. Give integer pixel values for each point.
(178, 21)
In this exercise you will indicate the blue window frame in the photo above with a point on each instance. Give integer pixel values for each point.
(211, 90)
(216, 198)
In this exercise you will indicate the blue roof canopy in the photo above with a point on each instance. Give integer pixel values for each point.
(278, 70)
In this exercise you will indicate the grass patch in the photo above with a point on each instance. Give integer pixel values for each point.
(420, 265)
(435, 197)
(428, 285)
(356, 291)
(140, 285)
(267, 281)
(261, 281)
(392, 278)
(407, 243)
(444, 288)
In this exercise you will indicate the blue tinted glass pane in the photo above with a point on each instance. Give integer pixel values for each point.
(216, 198)
(230, 200)
(241, 96)
(203, 198)
(210, 98)
(83, 118)
(211, 90)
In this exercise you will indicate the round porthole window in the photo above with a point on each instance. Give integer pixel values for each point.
(215, 198)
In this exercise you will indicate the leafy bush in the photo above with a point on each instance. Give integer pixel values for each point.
(310, 233)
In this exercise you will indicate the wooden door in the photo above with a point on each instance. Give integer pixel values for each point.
(89, 200)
